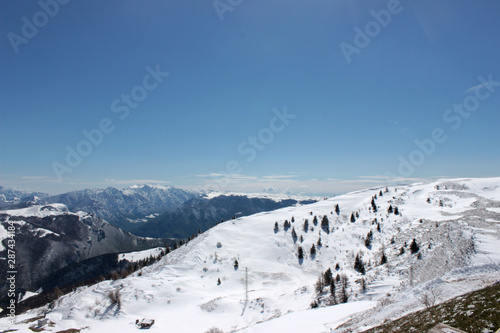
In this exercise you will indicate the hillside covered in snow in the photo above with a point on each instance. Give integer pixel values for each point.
(39, 241)
(388, 250)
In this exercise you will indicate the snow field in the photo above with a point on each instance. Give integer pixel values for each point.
(458, 248)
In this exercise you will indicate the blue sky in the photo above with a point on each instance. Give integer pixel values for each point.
(352, 120)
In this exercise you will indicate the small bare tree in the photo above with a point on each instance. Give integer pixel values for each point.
(215, 330)
(115, 298)
(429, 298)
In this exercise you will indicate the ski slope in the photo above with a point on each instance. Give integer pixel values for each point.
(452, 221)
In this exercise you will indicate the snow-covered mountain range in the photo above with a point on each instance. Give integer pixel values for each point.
(10, 197)
(152, 210)
(123, 207)
(247, 275)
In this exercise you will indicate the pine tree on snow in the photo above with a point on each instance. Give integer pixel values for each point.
(325, 224)
(328, 276)
(300, 253)
(368, 239)
(359, 265)
(294, 234)
(414, 247)
(383, 260)
(374, 206)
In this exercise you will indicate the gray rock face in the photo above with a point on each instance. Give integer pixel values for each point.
(121, 207)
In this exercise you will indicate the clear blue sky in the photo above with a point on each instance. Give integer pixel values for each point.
(354, 120)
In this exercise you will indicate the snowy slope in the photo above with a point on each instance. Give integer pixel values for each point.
(455, 223)
(48, 238)
(272, 196)
(141, 255)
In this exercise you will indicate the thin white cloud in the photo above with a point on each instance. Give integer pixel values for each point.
(386, 178)
(136, 181)
(279, 177)
(35, 177)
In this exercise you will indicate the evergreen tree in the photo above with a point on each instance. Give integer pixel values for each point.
(368, 239)
(236, 264)
(319, 244)
(276, 227)
(374, 206)
(294, 235)
(353, 219)
(396, 211)
(286, 225)
(218, 282)
(301, 239)
(337, 267)
(383, 260)
(357, 214)
(378, 227)
(328, 276)
(359, 266)
(337, 209)
(380, 193)
(414, 248)
(313, 250)
(315, 220)
(300, 253)
(389, 210)
(325, 224)
(293, 219)
(306, 225)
